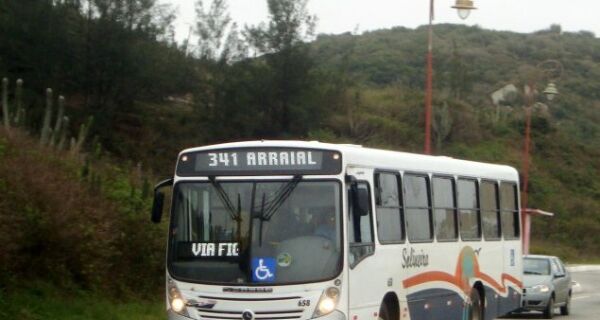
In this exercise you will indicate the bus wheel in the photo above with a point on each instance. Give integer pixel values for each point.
(475, 307)
(384, 312)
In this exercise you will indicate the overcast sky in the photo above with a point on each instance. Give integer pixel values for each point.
(338, 16)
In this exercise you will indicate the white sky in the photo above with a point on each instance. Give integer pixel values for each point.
(338, 16)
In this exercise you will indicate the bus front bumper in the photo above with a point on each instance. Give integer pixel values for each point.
(336, 315)
(174, 316)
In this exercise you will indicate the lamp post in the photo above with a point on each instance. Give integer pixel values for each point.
(551, 69)
(464, 8)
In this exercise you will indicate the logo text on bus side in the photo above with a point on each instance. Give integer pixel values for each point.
(413, 259)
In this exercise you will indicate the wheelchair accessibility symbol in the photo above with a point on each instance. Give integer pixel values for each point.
(263, 269)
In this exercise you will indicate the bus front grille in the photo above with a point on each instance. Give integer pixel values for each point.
(230, 315)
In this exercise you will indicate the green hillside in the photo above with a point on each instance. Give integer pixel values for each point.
(384, 72)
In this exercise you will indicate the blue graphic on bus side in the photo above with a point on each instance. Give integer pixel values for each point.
(263, 269)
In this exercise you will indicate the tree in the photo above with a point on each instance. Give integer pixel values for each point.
(218, 37)
(282, 42)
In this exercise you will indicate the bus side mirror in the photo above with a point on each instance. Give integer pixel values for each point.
(159, 200)
(362, 201)
(157, 206)
(360, 197)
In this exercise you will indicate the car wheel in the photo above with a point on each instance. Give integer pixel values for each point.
(475, 307)
(549, 311)
(566, 309)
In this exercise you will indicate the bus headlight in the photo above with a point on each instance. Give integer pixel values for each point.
(176, 300)
(177, 304)
(328, 302)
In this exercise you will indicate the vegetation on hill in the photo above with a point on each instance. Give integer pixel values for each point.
(386, 69)
(70, 222)
(83, 220)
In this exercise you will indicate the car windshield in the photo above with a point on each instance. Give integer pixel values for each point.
(257, 232)
(536, 266)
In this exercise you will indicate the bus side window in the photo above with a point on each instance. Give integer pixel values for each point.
(490, 215)
(509, 211)
(444, 205)
(418, 210)
(360, 233)
(468, 209)
(389, 208)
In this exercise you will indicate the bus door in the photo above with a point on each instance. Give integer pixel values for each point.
(363, 293)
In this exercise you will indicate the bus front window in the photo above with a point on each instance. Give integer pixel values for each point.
(256, 232)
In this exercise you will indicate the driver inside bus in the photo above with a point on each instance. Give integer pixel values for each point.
(324, 223)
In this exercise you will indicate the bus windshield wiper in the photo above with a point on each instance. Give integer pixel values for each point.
(234, 213)
(268, 210)
(279, 198)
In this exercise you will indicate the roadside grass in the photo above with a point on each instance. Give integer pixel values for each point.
(565, 252)
(42, 301)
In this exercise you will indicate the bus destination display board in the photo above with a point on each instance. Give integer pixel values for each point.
(259, 161)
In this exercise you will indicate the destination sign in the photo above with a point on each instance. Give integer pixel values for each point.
(208, 250)
(260, 161)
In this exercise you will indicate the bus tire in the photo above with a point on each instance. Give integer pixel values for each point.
(475, 306)
(384, 312)
(390, 307)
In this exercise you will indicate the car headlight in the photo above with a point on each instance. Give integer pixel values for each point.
(176, 301)
(328, 302)
(542, 288)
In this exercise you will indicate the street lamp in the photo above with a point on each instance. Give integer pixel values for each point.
(464, 8)
(551, 91)
(552, 70)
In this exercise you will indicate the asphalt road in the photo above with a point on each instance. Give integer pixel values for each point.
(585, 303)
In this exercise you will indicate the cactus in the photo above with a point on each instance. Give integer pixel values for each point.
(59, 121)
(5, 111)
(97, 149)
(85, 169)
(63, 136)
(20, 111)
(76, 145)
(47, 119)
(22, 117)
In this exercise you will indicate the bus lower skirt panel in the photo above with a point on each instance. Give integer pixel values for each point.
(436, 304)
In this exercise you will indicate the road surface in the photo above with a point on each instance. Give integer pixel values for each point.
(585, 304)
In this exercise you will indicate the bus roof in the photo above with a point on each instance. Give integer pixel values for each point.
(356, 155)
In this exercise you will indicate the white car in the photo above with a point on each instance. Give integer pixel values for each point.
(547, 285)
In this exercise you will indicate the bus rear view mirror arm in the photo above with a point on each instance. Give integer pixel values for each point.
(159, 199)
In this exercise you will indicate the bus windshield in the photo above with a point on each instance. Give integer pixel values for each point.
(256, 232)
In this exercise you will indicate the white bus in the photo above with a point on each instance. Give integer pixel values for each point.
(305, 230)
